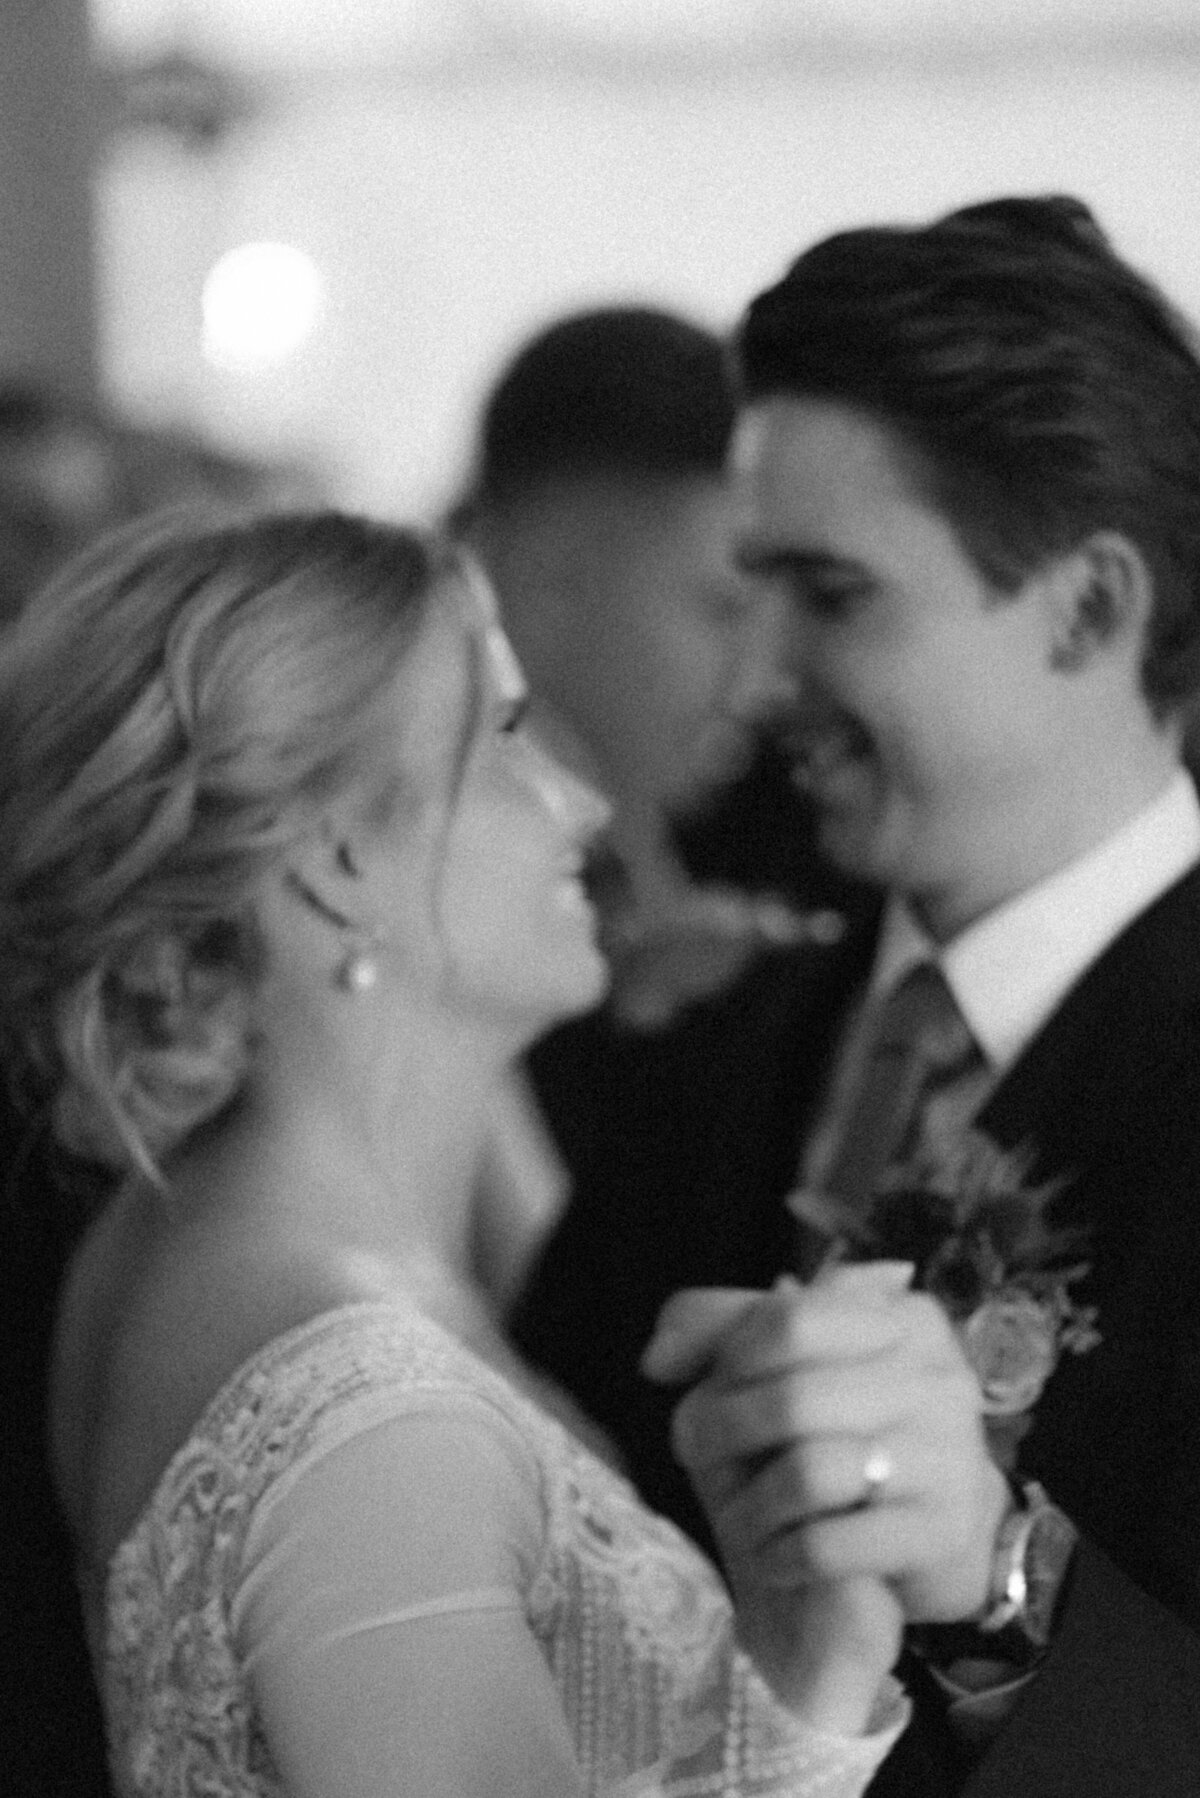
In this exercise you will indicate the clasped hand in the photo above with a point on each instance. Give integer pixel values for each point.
(834, 1437)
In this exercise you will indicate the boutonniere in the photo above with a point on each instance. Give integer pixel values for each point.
(979, 1235)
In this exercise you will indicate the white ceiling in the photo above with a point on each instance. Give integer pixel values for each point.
(312, 33)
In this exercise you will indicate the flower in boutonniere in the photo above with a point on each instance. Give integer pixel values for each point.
(981, 1240)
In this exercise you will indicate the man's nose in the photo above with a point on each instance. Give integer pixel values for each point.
(770, 671)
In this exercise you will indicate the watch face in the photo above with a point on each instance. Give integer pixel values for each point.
(1033, 1554)
(1048, 1549)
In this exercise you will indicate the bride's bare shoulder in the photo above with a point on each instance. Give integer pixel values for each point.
(158, 1311)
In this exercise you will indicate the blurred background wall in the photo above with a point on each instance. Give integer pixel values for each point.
(47, 150)
(433, 178)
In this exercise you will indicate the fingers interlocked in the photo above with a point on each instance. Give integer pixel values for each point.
(837, 1432)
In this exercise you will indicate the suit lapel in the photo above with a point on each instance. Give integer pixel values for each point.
(1130, 1018)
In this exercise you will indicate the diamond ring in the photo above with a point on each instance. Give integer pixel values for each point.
(877, 1470)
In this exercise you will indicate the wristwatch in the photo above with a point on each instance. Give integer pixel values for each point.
(1030, 1563)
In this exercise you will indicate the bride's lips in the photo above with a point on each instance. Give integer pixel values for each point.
(573, 894)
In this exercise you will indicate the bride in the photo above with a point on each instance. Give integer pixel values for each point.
(286, 884)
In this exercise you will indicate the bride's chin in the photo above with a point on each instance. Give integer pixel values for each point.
(573, 993)
(595, 978)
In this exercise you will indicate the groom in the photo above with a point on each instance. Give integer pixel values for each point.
(968, 457)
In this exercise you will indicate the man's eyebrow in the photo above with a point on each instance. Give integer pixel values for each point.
(797, 564)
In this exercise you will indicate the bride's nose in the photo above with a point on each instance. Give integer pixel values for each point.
(578, 805)
(585, 807)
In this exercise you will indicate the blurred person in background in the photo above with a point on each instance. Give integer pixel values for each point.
(600, 504)
(59, 485)
(69, 470)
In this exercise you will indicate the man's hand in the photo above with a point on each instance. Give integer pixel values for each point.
(835, 1433)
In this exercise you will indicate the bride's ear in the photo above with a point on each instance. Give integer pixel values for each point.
(323, 875)
(325, 871)
(346, 859)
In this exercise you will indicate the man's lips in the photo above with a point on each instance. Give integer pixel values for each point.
(821, 755)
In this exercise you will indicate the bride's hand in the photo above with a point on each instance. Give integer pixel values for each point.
(823, 1647)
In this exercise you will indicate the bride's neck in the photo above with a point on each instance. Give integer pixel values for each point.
(384, 1163)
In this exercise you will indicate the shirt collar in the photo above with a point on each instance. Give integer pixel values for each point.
(1009, 971)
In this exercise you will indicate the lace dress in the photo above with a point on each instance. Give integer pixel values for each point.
(371, 1539)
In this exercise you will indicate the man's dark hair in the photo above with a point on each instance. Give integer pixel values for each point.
(628, 391)
(1042, 388)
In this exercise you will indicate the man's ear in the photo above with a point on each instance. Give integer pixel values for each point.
(1100, 597)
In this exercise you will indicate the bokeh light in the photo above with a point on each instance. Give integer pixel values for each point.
(260, 303)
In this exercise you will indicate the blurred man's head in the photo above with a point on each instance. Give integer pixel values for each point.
(971, 451)
(600, 505)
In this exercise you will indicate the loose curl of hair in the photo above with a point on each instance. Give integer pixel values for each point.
(1041, 388)
(174, 709)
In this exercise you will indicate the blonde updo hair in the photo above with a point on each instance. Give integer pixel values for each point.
(173, 709)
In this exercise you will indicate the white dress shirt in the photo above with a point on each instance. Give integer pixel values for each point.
(1011, 970)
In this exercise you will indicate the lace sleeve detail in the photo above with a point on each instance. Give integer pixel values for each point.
(640, 1631)
(735, 1740)
(623, 1631)
(177, 1696)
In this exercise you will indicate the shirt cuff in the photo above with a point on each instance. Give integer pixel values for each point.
(981, 1695)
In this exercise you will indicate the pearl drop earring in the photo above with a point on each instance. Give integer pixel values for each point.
(358, 972)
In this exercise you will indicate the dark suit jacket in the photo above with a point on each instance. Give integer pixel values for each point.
(1108, 1094)
(681, 1146)
(681, 1143)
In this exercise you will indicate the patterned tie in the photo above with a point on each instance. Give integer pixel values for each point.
(919, 1047)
